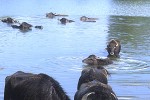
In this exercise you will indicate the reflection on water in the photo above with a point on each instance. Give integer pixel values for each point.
(134, 64)
(58, 50)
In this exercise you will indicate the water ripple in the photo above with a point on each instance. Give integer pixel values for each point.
(129, 64)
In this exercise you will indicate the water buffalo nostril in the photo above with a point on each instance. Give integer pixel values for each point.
(111, 53)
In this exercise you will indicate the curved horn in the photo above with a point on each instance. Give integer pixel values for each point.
(114, 96)
(85, 97)
(115, 42)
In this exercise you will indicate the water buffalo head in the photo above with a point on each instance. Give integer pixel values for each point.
(87, 19)
(95, 90)
(25, 26)
(84, 18)
(9, 20)
(64, 21)
(28, 86)
(94, 60)
(89, 74)
(91, 60)
(50, 15)
(113, 48)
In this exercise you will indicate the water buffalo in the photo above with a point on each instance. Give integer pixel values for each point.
(113, 48)
(9, 20)
(28, 86)
(95, 90)
(64, 21)
(23, 26)
(89, 74)
(94, 60)
(52, 15)
(87, 19)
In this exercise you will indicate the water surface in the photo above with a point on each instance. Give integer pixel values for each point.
(58, 50)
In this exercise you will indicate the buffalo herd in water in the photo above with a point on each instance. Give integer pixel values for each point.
(92, 84)
(24, 26)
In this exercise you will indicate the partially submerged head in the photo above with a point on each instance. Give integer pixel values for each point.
(96, 73)
(83, 18)
(65, 20)
(94, 60)
(50, 15)
(9, 20)
(113, 48)
(91, 60)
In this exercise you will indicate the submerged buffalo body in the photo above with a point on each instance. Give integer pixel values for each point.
(39, 27)
(94, 60)
(28, 86)
(113, 48)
